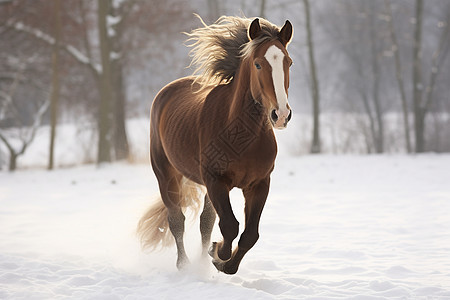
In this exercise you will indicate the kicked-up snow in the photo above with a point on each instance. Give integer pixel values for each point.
(334, 227)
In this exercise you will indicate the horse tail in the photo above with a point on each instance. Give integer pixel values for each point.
(153, 227)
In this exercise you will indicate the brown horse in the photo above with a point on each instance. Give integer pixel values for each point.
(215, 129)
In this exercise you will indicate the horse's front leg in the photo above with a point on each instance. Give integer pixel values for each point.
(255, 198)
(229, 227)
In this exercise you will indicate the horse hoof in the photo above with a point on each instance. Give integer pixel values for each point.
(229, 270)
(221, 265)
(225, 267)
(182, 264)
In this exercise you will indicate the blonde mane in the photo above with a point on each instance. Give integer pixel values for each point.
(218, 49)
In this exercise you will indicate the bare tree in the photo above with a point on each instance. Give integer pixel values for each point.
(423, 102)
(375, 61)
(437, 61)
(399, 75)
(102, 74)
(54, 101)
(423, 92)
(24, 93)
(359, 36)
(18, 138)
(69, 49)
(105, 115)
(119, 15)
(315, 146)
(419, 113)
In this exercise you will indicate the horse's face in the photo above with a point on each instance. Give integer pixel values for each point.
(269, 74)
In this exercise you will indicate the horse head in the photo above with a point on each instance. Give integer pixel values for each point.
(269, 73)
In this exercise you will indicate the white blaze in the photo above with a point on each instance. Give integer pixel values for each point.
(275, 57)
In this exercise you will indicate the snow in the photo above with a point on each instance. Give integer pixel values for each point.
(33, 31)
(113, 20)
(334, 227)
(117, 3)
(114, 55)
(83, 59)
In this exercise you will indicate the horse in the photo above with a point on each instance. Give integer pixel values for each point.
(214, 130)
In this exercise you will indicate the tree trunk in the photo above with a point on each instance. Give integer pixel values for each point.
(420, 130)
(121, 147)
(12, 154)
(437, 60)
(379, 135)
(419, 116)
(315, 146)
(105, 113)
(12, 161)
(373, 131)
(55, 82)
(399, 76)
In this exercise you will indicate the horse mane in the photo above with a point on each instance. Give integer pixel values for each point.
(218, 49)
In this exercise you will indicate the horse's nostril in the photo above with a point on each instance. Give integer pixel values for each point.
(290, 115)
(274, 115)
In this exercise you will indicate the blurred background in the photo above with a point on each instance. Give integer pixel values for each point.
(77, 78)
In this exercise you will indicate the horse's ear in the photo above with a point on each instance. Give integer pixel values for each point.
(254, 30)
(285, 34)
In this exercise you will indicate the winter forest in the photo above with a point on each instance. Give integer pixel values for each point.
(359, 196)
(368, 76)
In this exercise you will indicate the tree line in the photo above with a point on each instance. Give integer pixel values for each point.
(91, 44)
(394, 58)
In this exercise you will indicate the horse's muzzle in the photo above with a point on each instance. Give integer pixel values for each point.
(280, 118)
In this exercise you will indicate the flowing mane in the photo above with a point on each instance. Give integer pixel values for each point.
(218, 49)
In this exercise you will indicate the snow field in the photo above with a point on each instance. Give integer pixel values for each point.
(364, 227)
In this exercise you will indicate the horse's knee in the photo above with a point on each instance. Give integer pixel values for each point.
(248, 240)
(229, 228)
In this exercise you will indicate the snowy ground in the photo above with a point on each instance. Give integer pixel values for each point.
(365, 227)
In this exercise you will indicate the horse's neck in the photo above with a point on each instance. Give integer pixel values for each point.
(243, 106)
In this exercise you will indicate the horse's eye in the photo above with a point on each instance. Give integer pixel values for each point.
(258, 66)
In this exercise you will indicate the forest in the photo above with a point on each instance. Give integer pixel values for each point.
(368, 76)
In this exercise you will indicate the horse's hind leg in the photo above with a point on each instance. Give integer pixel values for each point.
(169, 180)
(207, 219)
(176, 225)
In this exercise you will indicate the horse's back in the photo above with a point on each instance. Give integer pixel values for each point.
(176, 92)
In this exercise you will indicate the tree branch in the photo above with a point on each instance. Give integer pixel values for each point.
(37, 122)
(7, 144)
(96, 69)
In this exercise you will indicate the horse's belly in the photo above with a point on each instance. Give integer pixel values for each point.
(183, 155)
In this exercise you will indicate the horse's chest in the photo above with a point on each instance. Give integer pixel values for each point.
(240, 155)
(254, 164)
